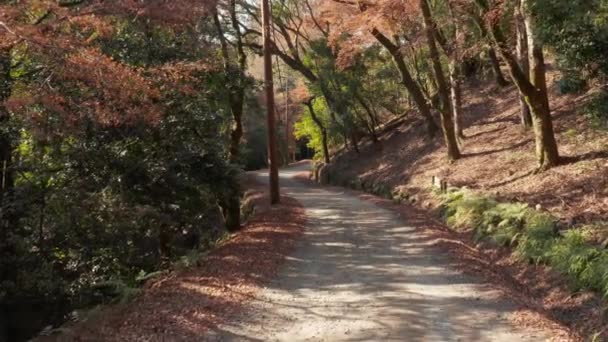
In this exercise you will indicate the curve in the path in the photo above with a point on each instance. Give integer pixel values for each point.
(361, 274)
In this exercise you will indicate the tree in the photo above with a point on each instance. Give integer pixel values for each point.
(237, 82)
(408, 81)
(447, 122)
(534, 90)
(324, 138)
(116, 136)
(301, 42)
(523, 58)
(575, 32)
(410, 11)
(235, 75)
(492, 56)
(455, 66)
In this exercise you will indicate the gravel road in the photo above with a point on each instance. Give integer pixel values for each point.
(361, 274)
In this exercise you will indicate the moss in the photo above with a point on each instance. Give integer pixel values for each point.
(533, 234)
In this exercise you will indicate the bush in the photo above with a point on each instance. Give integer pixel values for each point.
(587, 266)
(463, 209)
(597, 109)
(572, 83)
(537, 237)
(595, 274)
(533, 235)
(503, 223)
(576, 30)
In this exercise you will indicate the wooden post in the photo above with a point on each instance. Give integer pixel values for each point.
(272, 138)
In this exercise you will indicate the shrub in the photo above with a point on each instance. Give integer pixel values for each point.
(576, 32)
(595, 274)
(587, 266)
(570, 255)
(572, 83)
(503, 223)
(534, 235)
(597, 109)
(464, 209)
(537, 237)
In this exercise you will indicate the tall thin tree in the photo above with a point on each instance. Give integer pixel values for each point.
(533, 87)
(524, 60)
(445, 111)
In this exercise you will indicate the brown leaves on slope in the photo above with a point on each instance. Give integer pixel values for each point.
(184, 306)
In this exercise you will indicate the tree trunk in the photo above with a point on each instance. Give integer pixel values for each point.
(319, 124)
(546, 145)
(456, 98)
(236, 135)
(7, 218)
(355, 141)
(164, 243)
(442, 85)
(408, 81)
(498, 76)
(372, 122)
(547, 151)
(534, 89)
(235, 78)
(523, 58)
(231, 208)
(494, 63)
(238, 97)
(325, 147)
(455, 73)
(369, 127)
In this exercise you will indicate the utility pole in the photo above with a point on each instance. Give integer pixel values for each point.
(287, 129)
(272, 137)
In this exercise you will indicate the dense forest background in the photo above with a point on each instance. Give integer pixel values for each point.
(125, 126)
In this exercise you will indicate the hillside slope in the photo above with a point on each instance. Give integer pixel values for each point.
(498, 156)
(498, 161)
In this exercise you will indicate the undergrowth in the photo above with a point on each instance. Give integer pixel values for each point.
(597, 110)
(532, 234)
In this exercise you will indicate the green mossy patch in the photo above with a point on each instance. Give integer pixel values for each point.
(533, 235)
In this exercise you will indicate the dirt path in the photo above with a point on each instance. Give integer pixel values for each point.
(361, 274)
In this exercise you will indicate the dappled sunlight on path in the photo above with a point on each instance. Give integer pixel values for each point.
(361, 274)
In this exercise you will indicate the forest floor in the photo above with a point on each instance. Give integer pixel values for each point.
(185, 305)
(498, 155)
(363, 273)
(499, 162)
(330, 264)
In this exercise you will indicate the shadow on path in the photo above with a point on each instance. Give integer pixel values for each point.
(362, 274)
